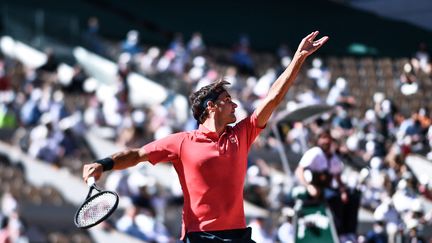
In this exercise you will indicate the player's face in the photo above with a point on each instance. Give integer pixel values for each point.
(225, 108)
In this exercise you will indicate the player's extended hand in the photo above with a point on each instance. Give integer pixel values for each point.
(308, 46)
(92, 170)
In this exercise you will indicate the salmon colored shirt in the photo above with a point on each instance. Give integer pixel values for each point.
(212, 171)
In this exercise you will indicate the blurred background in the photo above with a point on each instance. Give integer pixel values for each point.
(80, 80)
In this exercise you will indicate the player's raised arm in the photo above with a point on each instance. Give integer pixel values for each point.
(280, 87)
(117, 161)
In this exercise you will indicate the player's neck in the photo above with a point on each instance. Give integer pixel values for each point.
(212, 125)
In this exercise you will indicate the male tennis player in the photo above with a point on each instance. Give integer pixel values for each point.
(211, 161)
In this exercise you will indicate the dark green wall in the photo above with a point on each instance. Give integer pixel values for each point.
(268, 23)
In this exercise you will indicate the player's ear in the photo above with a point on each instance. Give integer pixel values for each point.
(211, 104)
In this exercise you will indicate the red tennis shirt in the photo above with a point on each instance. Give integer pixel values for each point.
(211, 170)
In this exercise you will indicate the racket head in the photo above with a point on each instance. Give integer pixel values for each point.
(96, 209)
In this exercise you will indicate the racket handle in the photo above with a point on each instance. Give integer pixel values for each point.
(91, 181)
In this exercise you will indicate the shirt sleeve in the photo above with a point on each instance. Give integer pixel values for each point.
(249, 129)
(308, 158)
(166, 149)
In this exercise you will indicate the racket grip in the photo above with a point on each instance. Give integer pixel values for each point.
(91, 181)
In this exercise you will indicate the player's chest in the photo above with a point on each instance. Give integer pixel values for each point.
(206, 152)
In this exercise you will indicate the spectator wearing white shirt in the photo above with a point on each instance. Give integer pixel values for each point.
(319, 171)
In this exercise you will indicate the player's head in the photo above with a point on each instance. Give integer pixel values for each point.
(207, 95)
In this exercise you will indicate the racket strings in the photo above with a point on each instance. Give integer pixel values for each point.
(96, 208)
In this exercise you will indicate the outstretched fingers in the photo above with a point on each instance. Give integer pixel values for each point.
(312, 36)
(321, 41)
(308, 45)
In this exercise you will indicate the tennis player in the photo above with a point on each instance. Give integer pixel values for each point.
(211, 161)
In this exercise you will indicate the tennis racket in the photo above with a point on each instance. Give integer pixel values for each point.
(96, 208)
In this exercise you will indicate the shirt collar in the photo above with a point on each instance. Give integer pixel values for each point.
(210, 134)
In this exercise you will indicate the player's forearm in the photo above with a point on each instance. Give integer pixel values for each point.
(279, 89)
(128, 158)
(281, 86)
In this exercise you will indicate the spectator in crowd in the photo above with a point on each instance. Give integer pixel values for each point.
(377, 234)
(92, 38)
(241, 55)
(319, 170)
(259, 231)
(196, 44)
(320, 74)
(423, 56)
(339, 94)
(285, 232)
(12, 227)
(51, 64)
(131, 44)
(140, 223)
(77, 81)
(408, 80)
(391, 220)
(30, 112)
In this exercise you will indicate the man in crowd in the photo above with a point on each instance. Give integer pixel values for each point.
(320, 170)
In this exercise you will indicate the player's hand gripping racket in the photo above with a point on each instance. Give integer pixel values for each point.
(96, 208)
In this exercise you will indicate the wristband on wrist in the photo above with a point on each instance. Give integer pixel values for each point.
(107, 163)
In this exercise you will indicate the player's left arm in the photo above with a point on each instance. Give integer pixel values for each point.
(280, 87)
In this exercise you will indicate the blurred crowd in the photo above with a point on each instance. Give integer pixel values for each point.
(48, 119)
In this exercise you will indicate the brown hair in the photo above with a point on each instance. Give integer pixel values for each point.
(200, 98)
(323, 133)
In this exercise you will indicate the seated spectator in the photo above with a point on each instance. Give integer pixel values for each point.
(339, 94)
(390, 218)
(413, 232)
(319, 170)
(320, 74)
(408, 80)
(377, 234)
(422, 55)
